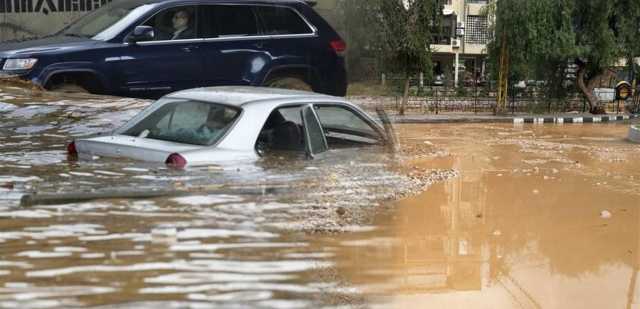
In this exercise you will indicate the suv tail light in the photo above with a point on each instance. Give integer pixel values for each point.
(71, 149)
(339, 46)
(176, 160)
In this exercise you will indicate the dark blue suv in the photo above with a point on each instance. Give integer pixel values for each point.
(147, 48)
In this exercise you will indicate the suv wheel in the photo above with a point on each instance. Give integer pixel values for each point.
(288, 82)
(69, 88)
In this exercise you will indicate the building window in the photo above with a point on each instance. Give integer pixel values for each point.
(477, 30)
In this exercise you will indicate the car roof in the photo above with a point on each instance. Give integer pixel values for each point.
(244, 95)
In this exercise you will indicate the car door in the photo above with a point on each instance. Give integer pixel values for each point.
(232, 49)
(315, 141)
(166, 64)
(344, 127)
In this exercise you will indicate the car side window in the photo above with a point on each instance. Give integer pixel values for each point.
(344, 127)
(178, 23)
(227, 20)
(282, 131)
(282, 20)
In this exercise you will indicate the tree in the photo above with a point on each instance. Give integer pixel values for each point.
(531, 39)
(404, 34)
(538, 38)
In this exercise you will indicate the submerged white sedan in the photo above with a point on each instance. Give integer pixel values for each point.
(206, 126)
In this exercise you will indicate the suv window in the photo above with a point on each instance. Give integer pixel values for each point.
(177, 23)
(281, 20)
(227, 20)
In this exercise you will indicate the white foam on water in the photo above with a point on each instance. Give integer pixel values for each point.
(221, 233)
(34, 214)
(243, 296)
(19, 179)
(259, 267)
(134, 236)
(70, 249)
(92, 255)
(202, 200)
(81, 174)
(5, 107)
(187, 247)
(108, 173)
(184, 278)
(14, 264)
(231, 286)
(43, 255)
(135, 169)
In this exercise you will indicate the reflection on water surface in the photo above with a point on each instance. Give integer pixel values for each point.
(540, 217)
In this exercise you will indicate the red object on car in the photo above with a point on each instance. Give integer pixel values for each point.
(339, 46)
(176, 160)
(71, 149)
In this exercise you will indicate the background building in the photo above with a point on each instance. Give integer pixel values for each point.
(28, 18)
(464, 36)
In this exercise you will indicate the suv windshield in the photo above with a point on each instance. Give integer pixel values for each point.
(186, 121)
(109, 20)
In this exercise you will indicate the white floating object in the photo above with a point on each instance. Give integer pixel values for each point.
(634, 133)
(605, 214)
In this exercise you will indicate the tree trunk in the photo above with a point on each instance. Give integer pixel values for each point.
(503, 78)
(405, 96)
(589, 85)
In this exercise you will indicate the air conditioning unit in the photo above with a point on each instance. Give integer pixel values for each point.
(456, 43)
(460, 29)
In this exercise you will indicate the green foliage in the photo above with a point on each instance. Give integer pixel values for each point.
(403, 34)
(535, 32)
(544, 36)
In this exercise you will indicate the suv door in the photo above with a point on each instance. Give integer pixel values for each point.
(232, 49)
(168, 63)
(292, 41)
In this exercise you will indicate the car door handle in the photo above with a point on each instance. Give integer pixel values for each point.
(188, 49)
(259, 45)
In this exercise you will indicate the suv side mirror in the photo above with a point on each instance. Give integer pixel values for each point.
(142, 33)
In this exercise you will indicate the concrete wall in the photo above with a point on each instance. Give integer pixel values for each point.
(28, 18)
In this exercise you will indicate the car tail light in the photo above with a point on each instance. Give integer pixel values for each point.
(71, 149)
(339, 46)
(176, 160)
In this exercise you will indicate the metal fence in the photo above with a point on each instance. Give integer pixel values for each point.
(482, 99)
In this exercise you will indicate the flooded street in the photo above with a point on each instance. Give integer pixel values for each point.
(530, 216)
(540, 217)
(240, 235)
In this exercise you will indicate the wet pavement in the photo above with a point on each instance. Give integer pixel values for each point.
(539, 216)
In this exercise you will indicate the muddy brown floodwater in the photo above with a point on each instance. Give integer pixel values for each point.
(513, 217)
(540, 217)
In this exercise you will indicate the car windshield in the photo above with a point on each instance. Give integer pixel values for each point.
(109, 20)
(185, 121)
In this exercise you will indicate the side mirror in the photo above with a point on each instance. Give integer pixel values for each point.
(141, 34)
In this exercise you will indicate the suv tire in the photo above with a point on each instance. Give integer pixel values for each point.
(288, 82)
(69, 88)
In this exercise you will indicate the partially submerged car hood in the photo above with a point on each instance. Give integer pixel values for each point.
(47, 44)
(122, 146)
